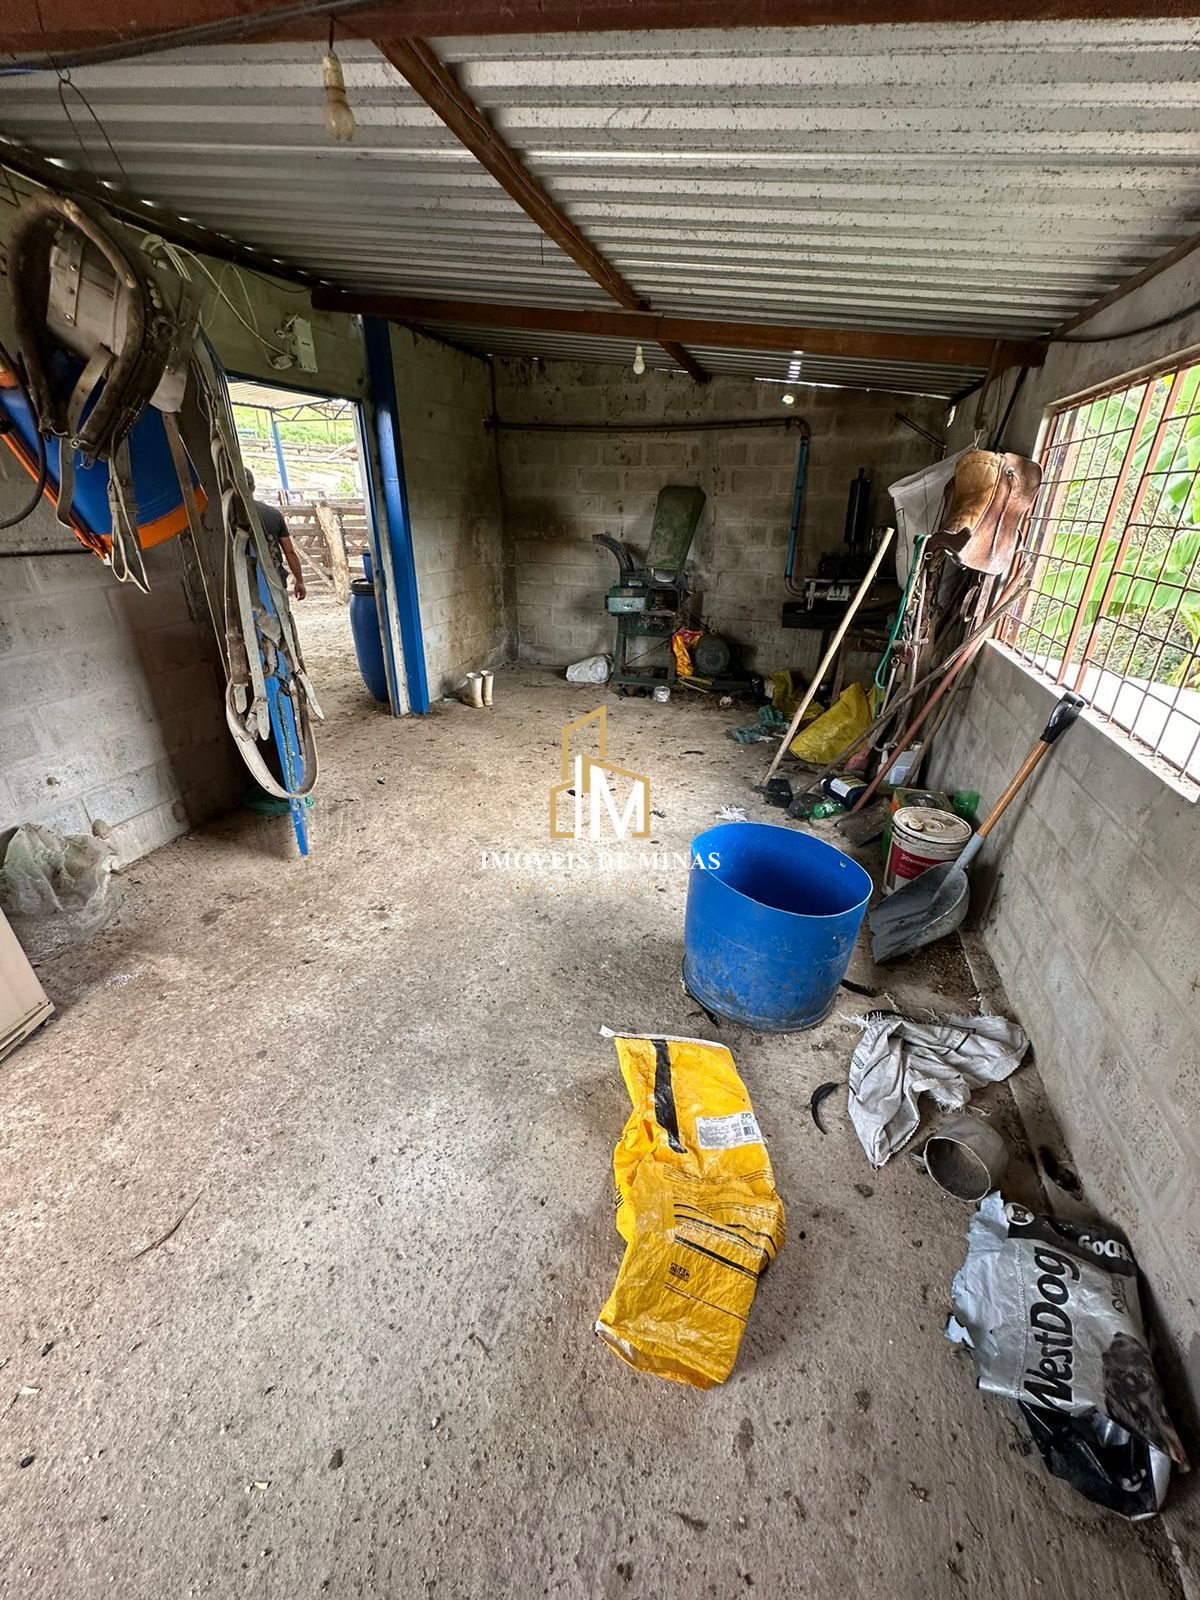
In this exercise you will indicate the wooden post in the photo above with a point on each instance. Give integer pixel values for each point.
(330, 524)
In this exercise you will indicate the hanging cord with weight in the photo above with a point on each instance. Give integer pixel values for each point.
(39, 482)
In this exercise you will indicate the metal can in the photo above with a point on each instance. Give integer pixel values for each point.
(922, 839)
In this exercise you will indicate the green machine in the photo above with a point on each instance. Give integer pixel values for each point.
(649, 601)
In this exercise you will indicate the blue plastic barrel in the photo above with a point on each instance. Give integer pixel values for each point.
(772, 916)
(161, 513)
(368, 646)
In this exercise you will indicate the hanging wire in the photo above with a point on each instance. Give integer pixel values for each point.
(901, 612)
(65, 82)
(1008, 410)
(179, 255)
(1126, 333)
(16, 198)
(203, 33)
(43, 467)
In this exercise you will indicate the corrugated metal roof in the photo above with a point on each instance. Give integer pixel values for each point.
(986, 178)
(267, 397)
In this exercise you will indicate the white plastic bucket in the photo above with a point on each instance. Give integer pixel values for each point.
(922, 838)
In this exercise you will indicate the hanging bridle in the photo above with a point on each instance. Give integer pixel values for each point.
(94, 416)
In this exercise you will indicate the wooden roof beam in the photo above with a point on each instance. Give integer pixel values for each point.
(645, 327)
(35, 27)
(445, 96)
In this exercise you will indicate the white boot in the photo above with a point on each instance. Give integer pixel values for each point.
(488, 679)
(474, 689)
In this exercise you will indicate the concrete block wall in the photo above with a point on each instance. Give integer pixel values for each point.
(1095, 920)
(110, 701)
(1089, 899)
(454, 506)
(561, 488)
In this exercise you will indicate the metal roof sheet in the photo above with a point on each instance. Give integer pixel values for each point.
(984, 178)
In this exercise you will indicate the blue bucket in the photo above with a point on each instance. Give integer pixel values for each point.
(770, 929)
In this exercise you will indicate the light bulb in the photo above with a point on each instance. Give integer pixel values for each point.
(639, 361)
(339, 119)
(788, 399)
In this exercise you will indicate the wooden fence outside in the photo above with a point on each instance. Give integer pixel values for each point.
(330, 537)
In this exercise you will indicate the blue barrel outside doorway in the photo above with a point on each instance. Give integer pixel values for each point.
(770, 928)
(368, 646)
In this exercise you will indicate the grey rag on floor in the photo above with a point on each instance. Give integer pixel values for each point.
(898, 1060)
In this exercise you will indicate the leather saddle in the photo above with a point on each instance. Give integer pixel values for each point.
(985, 504)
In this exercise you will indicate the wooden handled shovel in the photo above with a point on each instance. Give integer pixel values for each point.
(929, 907)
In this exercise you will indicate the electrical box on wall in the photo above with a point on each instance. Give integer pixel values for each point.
(298, 332)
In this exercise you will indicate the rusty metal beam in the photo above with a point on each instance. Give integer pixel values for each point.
(444, 95)
(645, 327)
(35, 27)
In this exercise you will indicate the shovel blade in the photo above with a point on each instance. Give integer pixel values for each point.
(923, 911)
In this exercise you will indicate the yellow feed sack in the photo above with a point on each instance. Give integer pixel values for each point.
(786, 695)
(697, 1208)
(825, 739)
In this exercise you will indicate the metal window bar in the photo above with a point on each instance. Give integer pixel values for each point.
(1114, 536)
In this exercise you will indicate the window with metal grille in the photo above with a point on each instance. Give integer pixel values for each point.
(1113, 610)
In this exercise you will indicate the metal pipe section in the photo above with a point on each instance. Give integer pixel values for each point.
(704, 425)
(789, 566)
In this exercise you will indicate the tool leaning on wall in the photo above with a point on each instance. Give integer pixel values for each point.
(117, 406)
(959, 524)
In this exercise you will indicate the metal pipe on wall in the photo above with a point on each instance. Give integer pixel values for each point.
(702, 425)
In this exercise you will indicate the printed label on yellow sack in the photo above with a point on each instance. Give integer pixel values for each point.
(696, 1206)
(725, 1133)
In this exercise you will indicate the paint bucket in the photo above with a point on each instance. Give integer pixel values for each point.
(772, 916)
(966, 1158)
(920, 840)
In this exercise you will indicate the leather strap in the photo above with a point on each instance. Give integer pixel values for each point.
(150, 332)
(126, 556)
(85, 386)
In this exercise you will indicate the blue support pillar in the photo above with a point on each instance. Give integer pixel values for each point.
(279, 461)
(385, 408)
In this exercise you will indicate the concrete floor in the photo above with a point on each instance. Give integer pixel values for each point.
(364, 1364)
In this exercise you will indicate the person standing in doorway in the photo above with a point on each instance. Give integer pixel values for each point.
(280, 540)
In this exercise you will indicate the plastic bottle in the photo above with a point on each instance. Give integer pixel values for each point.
(816, 811)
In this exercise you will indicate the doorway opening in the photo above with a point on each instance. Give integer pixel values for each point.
(305, 454)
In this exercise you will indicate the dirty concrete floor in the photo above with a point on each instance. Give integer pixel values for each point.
(368, 1088)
